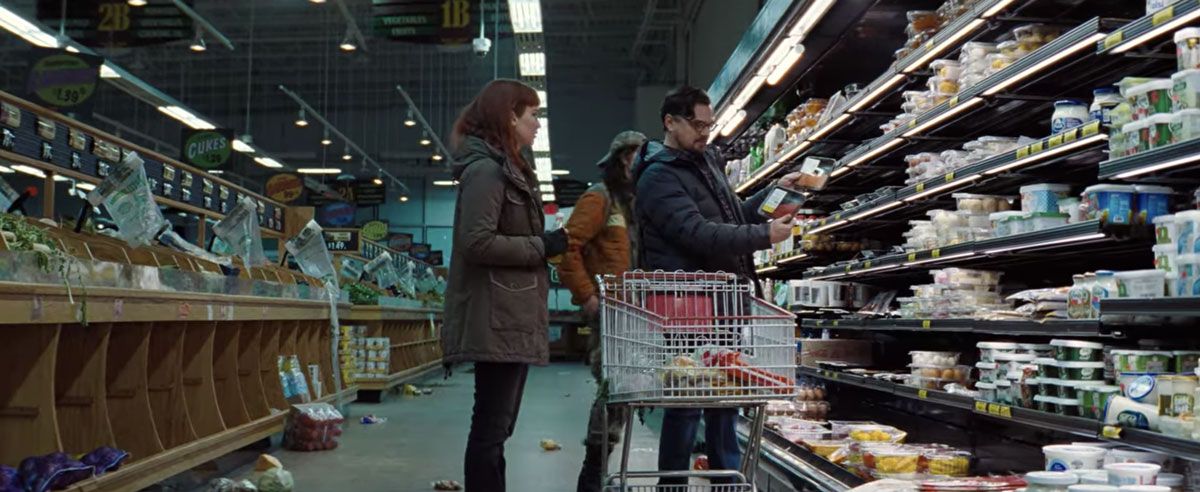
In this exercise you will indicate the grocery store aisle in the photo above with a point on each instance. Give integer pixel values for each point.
(424, 438)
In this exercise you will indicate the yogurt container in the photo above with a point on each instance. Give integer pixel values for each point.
(1136, 137)
(1071, 389)
(1151, 98)
(1070, 207)
(1187, 225)
(1050, 481)
(1162, 127)
(1172, 481)
(1187, 41)
(988, 371)
(1143, 488)
(1081, 371)
(1043, 197)
(1077, 351)
(1165, 228)
(1038, 349)
(1013, 362)
(1070, 113)
(1109, 203)
(988, 350)
(987, 391)
(1164, 260)
(1152, 201)
(1120, 474)
(1049, 387)
(1142, 361)
(1130, 455)
(1188, 284)
(1141, 388)
(1093, 477)
(1063, 457)
(1042, 221)
(1092, 399)
(1186, 361)
(1187, 123)
(1003, 391)
(1047, 368)
(1141, 284)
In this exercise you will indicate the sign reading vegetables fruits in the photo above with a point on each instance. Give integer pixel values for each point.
(285, 188)
(63, 81)
(206, 149)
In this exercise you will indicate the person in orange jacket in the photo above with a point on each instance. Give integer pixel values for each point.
(601, 236)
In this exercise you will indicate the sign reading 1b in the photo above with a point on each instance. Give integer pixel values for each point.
(425, 21)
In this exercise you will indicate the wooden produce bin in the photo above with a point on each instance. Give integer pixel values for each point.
(177, 379)
(416, 338)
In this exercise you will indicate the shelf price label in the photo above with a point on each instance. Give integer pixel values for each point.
(1162, 16)
(922, 394)
(867, 264)
(1070, 136)
(980, 406)
(1036, 147)
(1023, 152)
(954, 101)
(1091, 129)
(1055, 141)
(936, 253)
(1113, 39)
(926, 324)
(912, 122)
(835, 323)
(950, 176)
(920, 187)
(848, 267)
(1111, 432)
(912, 257)
(998, 410)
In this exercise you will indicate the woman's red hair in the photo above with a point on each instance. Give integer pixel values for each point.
(489, 116)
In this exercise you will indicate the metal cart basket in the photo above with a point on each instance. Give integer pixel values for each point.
(695, 340)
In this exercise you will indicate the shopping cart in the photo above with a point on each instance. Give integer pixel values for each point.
(693, 340)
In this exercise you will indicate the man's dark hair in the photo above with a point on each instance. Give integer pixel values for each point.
(682, 102)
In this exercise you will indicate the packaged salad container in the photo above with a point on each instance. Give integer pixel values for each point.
(1077, 350)
(1081, 371)
(1143, 361)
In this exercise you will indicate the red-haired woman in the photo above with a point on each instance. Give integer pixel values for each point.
(496, 313)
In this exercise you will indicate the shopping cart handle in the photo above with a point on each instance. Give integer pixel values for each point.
(710, 474)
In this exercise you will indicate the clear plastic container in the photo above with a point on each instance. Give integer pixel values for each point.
(933, 358)
(1187, 48)
(969, 202)
(1185, 89)
(999, 61)
(1161, 128)
(949, 69)
(1043, 221)
(1187, 124)
(943, 85)
(1151, 98)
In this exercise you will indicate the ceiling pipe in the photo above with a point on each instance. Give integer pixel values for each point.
(204, 24)
(433, 135)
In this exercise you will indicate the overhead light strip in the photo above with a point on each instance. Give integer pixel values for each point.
(1047, 154)
(792, 259)
(944, 46)
(1159, 167)
(871, 97)
(940, 259)
(891, 144)
(1157, 31)
(1087, 43)
(875, 211)
(937, 120)
(319, 170)
(526, 16)
(958, 183)
(827, 227)
(829, 128)
(1074, 239)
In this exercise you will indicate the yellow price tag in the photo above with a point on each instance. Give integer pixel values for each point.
(1055, 141)
(993, 409)
(922, 394)
(954, 101)
(980, 406)
(912, 257)
(820, 322)
(1111, 432)
(950, 176)
(837, 216)
(848, 268)
(926, 324)
(912, 122)
(584, 330)
(1071, 135)
(1091, 128)
(835, 322)
(834, 374)
(929, 44)
(1006, 411)
(823, 221)
(867, 264)
(1023, 152)
(1036, 147)
(920, 187)
(1162, 16)
(1113, 39)
(937, 253)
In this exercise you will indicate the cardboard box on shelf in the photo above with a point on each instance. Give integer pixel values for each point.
(854, 352)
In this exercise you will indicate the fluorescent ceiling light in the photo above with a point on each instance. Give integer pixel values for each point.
(839, 171)
(85, 186)
(187, 118)
(445, 182)
(6, 170)
(937, 120)
(871, 97)
(941, 258)
(72, 49)
(789, 61)
(546, 187)
(436, 157)
(944, 46)
(1158, 31)
(137, 3)
(347, 43)
(26, 30)
(61, 178)
(548, 197)
(733, 123)
(107, 72)
(30, 170)
(242, 147)
(532, 64)
(766, 269)
(1089, 43)
(781, 51)
(1049, 153)
(268, 162)
(319, 170)
(560, 172)
(526, 15)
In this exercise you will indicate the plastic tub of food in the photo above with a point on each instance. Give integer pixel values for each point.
(946, 462)
(1140, 387)
(923, 20)
(1013, 362)
(1162, 127)
(1001, 222)
(1141, 284)
(1093, 487)
(930, 383)
(934, 359)
(1185, 90)
(950, 69)
(1043, 221)
(1142, 361)
(987, 391)
(979, 204)
(1152, 201)
(1120, 474)
(1070, 389)
(958, 373)
(1136, 137)
(1187, 48)
(875, 433)
(1175, 427)
(1151, 98)
(1010, 49)
(1187, 125)
(1048, 404)
(894, 459)
(1049, 481)
(826, 448)
(1077, 350)
(1093, 477)
(1033, 36)
(1047, 367)
(1186, 361)
(1049, 387)
(1110, 203)
(988, 350)
(1063, 457)
(1003, 391)
(1144, 488)
(1081, 371)
(1038, 349)
(1043, 197)
(1130, 455)
(1093, 399)
(1172, 481)
(943, 85)
(1021, 393)
(1166, 231)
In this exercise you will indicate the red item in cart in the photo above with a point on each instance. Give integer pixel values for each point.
(313, 427)
(744, 374)
(701, 463)
(683, 312)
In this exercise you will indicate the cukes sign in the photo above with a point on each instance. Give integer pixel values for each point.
(206, 149)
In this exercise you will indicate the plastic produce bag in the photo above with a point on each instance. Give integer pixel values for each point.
(407, 282)
(383, 269)
(310, 252)
(105, 459)
(274, 480)
(7, 196)
(51, 472)
(9, 479)
(174, 241)
(125, 193)
(313, 427)
(352, 268)
(240, 230)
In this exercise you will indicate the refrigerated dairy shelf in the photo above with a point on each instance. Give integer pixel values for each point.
(1154, 164)
(1165, 306)
(1077, 328)
(805, 469)
(1138, 33)
(1137, 438)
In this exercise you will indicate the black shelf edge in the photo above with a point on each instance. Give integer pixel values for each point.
(1001, 78)
(1079, 328)
(1166, 306)
(947, 40)
(1081, 139)
(803, 465)
(1066, 236)
(1148, 162)
(1126, 38)
(1142, 439)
